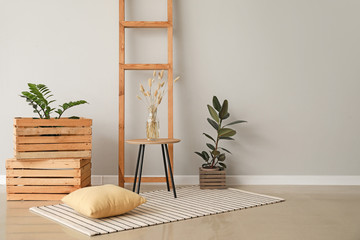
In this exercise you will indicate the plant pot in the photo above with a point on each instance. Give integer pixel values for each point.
(52, 138)
(212, 178)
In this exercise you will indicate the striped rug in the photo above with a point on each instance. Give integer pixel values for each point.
(161, 207)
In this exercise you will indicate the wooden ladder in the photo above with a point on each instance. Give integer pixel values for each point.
(123, 66)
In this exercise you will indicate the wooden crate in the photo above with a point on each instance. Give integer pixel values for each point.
(212, 178)
(52, 138)
(49, 179)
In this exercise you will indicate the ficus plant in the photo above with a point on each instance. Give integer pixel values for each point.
(216, 155)
(39, 97)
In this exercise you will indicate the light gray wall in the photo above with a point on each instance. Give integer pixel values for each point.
(289, 67)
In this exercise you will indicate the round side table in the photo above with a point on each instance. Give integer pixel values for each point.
(165, 153)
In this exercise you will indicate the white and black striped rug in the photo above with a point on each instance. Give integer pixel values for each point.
(161, 207)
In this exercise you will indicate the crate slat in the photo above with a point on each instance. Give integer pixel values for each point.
(53, 154)
(52, 146)
(35, 197)
(53, 139)
(66, 122)
(214, 183)
(43, 173)
(212, 172)
(212, 176)
(28, 181)
(52, 130)
(48, 163)
(208, 180)
(41, 189)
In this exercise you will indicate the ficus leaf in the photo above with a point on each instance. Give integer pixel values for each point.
(226, 132)
(215, 153)
(216, 103)
(203, 157)
(226, 116)
(210, 146)
(213, 113)
(235, 122)
(222, 164)
(226, 138)
(208, 136)
(213, 123)
(222, 157)
(224, 109)
(206, 155)
(225, 150)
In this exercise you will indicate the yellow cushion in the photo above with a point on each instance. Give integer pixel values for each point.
(103, 201)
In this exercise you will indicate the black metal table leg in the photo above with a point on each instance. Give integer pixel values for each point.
(170, 170)
(141, 166)
(137, 166)
(166, 171)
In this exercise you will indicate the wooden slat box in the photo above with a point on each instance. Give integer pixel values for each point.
(212, 178)
(52, 138)
(49, 179)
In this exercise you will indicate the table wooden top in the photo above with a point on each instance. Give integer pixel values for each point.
(157, 141)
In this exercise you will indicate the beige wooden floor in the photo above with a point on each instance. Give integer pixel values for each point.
(310, 212)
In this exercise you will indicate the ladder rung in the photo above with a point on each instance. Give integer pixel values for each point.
(145, 66)
(145, 24)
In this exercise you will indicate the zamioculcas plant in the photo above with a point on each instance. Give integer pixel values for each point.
(216, 156)
(39, 97)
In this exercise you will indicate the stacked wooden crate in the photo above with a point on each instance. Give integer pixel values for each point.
(52, 158)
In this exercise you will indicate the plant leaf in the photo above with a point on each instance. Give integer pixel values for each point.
(213, 123)
(235, 122)
(222, 164)
(203, 157)
(206, 155)
(226, 138)
(210, 146)
(207, 135)
(68, 105)
(215, 153)
(226, 132)
(216, 104)
(213, 113)
(226, 116)
(222, 157)
(225, 150)
(224, 109)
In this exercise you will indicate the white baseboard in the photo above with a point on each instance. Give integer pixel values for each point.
(242, 180)
(250, 180)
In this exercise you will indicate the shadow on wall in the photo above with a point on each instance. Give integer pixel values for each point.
(104, 155)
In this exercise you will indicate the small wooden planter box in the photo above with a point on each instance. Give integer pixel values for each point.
(212, 178)
(49, 179)
(52, 138)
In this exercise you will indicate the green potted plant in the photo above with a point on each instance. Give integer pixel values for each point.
(212, 171)
(57, 150)
(47, 136)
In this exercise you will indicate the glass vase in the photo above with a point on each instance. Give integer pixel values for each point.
(152, 125)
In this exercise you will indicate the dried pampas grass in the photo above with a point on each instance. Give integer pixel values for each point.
(152, 99)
